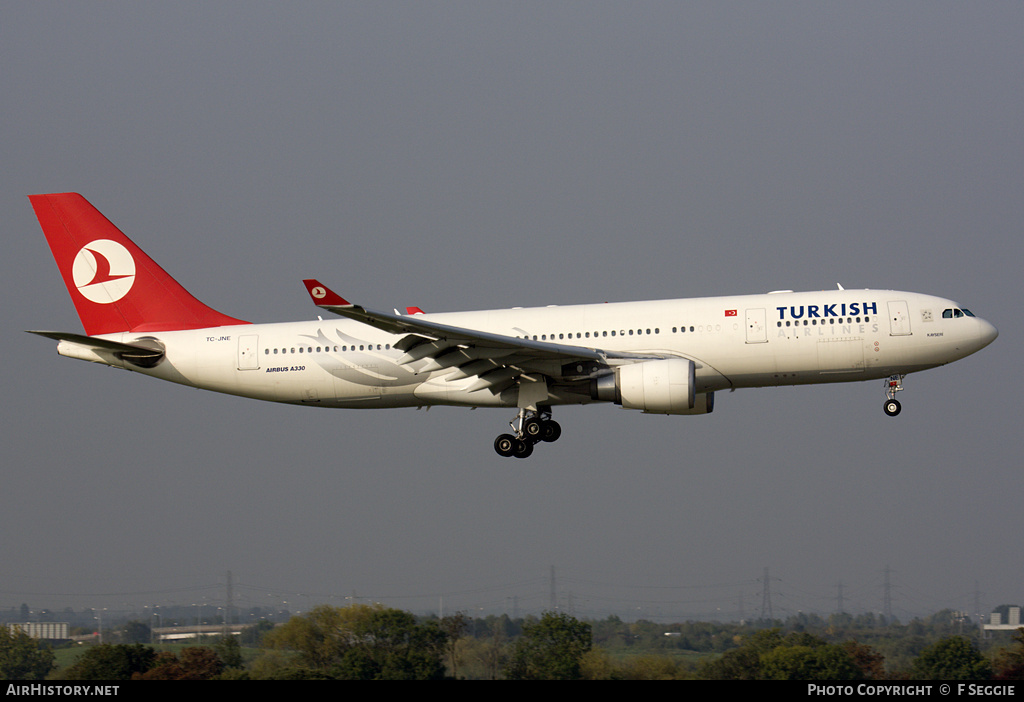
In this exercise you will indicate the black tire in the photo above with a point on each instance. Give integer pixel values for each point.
(892, 407)
(533, 430)
(550, 431)
(523, 448)
(505, 445)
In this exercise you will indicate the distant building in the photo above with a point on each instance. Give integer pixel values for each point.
(42, 630)
(995, 622)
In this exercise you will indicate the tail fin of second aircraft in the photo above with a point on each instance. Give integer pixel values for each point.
(115, 286)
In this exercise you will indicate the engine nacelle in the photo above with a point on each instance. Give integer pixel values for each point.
(666, 386)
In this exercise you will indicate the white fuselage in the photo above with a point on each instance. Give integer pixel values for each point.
(743, 341)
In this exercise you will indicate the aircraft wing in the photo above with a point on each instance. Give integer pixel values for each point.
(496, 359)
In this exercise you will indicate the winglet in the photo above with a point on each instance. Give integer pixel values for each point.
(324, 296)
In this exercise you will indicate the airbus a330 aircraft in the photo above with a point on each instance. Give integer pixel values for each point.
(659, 357)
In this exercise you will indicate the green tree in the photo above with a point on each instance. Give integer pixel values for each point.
(492, 651)
(821, 662)
(870, 662)
(229, 651)
(192, 663)
(22, 657)
(320, 637)
(743, 663)
(112, 662)
(363, 642)
(454, 626)
(550, 649)
(952, 658)
(768, 655)
(390, 645)
(1009, 662)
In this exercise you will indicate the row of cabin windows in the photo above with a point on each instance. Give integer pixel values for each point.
(328, 349)
(598, 334)
(587, 335)
(831, 320)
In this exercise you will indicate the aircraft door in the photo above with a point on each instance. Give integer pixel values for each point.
(248, 344)
(757, 329)
(899, 318)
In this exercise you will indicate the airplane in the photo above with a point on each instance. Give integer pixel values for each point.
(658, 357)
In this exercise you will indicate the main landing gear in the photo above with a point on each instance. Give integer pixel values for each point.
(530, 428)
(893, 385)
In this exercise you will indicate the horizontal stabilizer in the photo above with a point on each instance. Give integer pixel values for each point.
(91, 348)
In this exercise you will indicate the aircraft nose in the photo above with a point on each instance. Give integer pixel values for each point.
(987, 333)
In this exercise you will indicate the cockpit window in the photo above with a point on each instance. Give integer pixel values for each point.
(949, 314)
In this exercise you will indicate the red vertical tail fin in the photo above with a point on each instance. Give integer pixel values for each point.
(115, 286)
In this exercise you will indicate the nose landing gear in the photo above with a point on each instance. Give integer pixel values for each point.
(530, 428)
(893, 385)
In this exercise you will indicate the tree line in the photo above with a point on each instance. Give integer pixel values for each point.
(361, 642)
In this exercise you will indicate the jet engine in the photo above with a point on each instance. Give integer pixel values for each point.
(666, 386)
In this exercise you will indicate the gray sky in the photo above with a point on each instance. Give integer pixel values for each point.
(476, 155)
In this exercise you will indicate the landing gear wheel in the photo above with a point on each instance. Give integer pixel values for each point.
(524, 448)
(505, 445)
(529, 428)
(550, 431)
(893, 385)
(533, 430)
